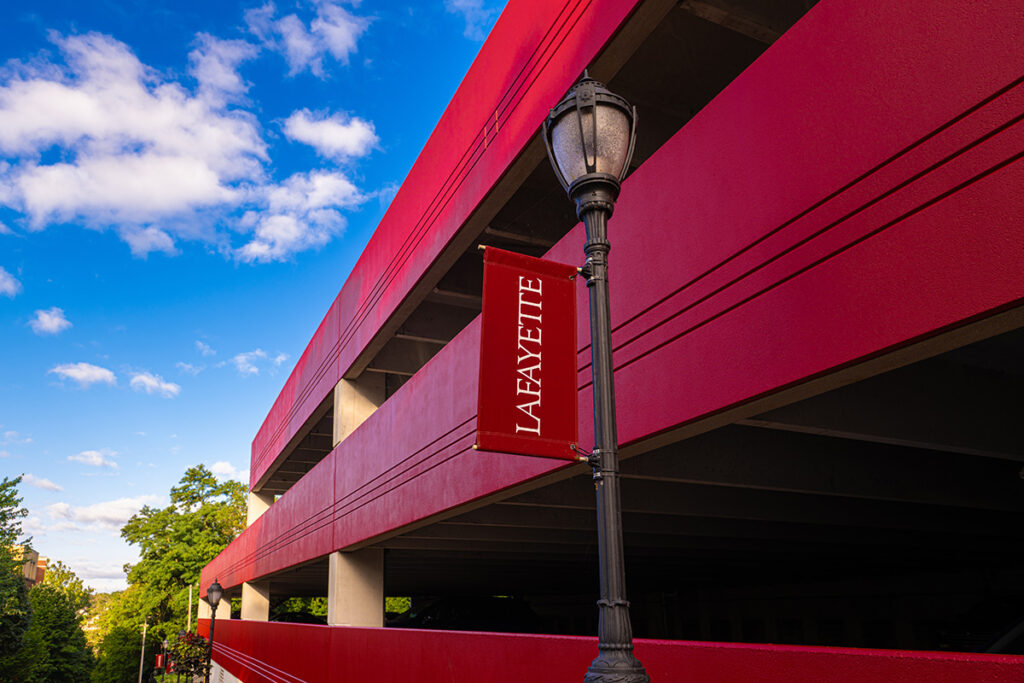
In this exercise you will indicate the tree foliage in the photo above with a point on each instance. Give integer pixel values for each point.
(41, 634)
(15, 609)
(56, 623)
(175, 543)
(59, 576)
(189, 655)
(120, 653)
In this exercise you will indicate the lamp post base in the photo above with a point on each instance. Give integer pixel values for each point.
(616, 667)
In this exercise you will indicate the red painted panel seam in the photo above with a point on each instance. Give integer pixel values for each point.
(327, 515)
(834, 195)
(807, 239)
(351, 507)
(931, 202)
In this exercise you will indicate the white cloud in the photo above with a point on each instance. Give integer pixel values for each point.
(89, 570)
(280, 358)
(120, 188)
(299, 45)
(154, 384)
(338, 30)
(225, 470)
(50, 321)
(9, 285)
(110, 515)
(159, 163)
(334, 31)
(245, 363)
(11, 436)
(4, 230)
(85, 374)
(188, 368)
(302, 213)
(214, 64)
(142, 241)
(41, 483)
(136, 147)
(204, 348)
(101, 458)
(5, 454)
(479, 18)
(337, 137)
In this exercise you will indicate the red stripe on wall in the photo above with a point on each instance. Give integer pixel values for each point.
(261, 651)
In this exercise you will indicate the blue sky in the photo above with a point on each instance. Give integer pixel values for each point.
(184, 187)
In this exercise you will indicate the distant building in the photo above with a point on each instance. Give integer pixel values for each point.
(33, 566)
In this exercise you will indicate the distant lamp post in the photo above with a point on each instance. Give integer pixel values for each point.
(163, 661)
(213, 595)
(590, 137)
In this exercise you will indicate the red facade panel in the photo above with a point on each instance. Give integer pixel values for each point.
(788, 230)
(413, 458)
(261, 651)
(296, 529)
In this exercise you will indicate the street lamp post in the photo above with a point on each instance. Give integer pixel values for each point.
(590, 137)
(213, 596)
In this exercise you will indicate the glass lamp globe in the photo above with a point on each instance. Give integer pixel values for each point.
(591, 131)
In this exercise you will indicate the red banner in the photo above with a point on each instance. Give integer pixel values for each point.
(527, 400)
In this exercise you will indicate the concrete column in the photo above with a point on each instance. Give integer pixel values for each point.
(355, 589)
(258, 504)
(354, 401)
(224, 609)
(256, 600)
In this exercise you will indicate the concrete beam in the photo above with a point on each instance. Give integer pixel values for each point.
(436, 322)
(355, 588)
(807, 463)
(403, 356)
(699, 500)
(718, 12)
(935, 404)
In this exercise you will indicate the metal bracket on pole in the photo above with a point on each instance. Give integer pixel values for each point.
(592, 458)
(587, 271)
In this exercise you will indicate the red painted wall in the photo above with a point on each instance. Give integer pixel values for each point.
(855, 190)
(261, 651)
(532, 56)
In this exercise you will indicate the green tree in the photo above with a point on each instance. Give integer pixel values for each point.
(59, 576)
(122, 646)
(56, 623)
(175, 543)
(15, 609)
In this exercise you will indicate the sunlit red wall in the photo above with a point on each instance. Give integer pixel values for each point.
(261, 651)
(857, 189)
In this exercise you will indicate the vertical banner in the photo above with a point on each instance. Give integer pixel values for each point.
(527, 399)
